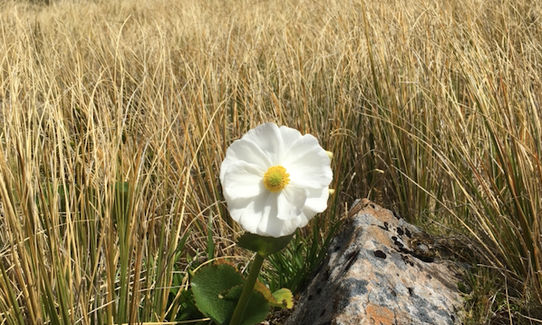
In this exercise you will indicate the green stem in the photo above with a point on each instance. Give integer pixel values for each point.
(237, 316)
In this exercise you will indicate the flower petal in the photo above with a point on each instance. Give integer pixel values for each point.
(316, 201)
(310, 175)
(302, 146)
(268, 138)
(300, 221)
(258, 215)
(241, 180)
(248, 212)
(270, 225)
(289, 137)
(247, 150)
(291, 202)
(308, 164)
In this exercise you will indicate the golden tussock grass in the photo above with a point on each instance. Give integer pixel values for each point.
(115, 116)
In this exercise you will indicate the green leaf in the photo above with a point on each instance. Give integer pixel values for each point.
(284, 298)
(188, 309)
(209, 285)
(257, 307)
(216, 290)
(263, 245)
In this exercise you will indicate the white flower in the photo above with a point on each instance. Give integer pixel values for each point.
(275, 180)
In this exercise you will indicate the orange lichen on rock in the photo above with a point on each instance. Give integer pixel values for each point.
(379, 315)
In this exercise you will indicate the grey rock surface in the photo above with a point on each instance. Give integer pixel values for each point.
(381, 270)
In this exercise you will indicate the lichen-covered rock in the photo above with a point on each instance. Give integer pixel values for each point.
(381, 270)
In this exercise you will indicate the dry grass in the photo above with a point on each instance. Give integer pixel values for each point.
(115, 115)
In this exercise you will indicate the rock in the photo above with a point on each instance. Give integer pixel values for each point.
(381, 270)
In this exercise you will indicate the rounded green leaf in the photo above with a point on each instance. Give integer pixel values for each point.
(210, 286)
(216, 290)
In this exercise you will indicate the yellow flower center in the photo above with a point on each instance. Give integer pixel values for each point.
(276, 178)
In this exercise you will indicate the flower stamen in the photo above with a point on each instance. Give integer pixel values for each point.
(276, 178)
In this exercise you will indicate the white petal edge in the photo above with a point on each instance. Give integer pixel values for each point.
(241, 180)
(268, 138)
(316, 201)
(291, 202)
(311, 168)
(247, 150)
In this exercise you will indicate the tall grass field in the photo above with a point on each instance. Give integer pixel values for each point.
(115, 117)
